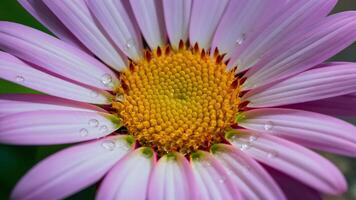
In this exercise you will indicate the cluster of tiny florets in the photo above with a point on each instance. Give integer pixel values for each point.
(178, 100)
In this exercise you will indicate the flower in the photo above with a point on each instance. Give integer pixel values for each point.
(191, 111)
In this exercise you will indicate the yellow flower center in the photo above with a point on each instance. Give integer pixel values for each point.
(178, 100)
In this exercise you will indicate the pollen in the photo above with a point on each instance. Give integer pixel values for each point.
(178, 100)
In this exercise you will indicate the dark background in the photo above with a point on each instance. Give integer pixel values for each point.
(16, 160)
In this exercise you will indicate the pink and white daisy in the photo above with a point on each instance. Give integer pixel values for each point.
(215, 101)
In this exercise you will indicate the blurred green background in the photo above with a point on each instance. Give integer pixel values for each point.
(16, 160)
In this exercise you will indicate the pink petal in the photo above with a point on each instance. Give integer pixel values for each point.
(205, 17)
(310, 129)
(172, 179)
(130, 177)
(149, 16)
(307, 128)
(41, 12)
(14, 70)
(212, 180)
(292, 159)
(319, 83)
(304, 49)
(76, 16)
(250, 177)
(243, 18)
(117, 23)
(16, 103)
(72, 169)
(177, 17)
(56, 126)
(293, 189)
(353, 94)
(295, 16)
(342, 106)
(55, 56)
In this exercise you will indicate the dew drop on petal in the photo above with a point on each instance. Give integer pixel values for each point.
(234, 138)
(244, 146)
(103, 129)
(120, 97)
(241, 39)
(222, 180)
(122, 145)
(239, 62)
(206, 164)
(93, 123)
(268, 125)
(254, 86)
(165, 149)
(271, 154)
(256, 60)
(20, 78)
(246, 166)
(252, 138)
(94, 94)
(106, 79)
(229, 172)
(129, 44)
(108, 144)
(84, 132)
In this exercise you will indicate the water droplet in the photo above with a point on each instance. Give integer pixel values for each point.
(268, 125)
(254, 85)
(109, 145)
(271, 154)
(20, 78)
(246, 167)
(106, 79)
(241, 39)
(122, 145)
(234, 138)
(222, 180)
(206, 164)
(229, 172)
(93, 123)
(239, 62)
(252, 138)
(84, 132)
(94, 94)
(129, 44)
(244, 146)
(103, 129)
(119, 97)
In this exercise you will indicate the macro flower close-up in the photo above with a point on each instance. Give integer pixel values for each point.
(181, 99)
